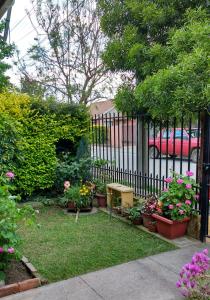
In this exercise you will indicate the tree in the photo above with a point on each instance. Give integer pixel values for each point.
(67, 62)
(165, 44)
(6, 51)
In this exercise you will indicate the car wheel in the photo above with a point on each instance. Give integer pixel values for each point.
(153, 152)
(194, 154)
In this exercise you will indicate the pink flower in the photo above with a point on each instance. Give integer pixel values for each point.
(188, 186)
(168, 180)
(10, 175)
(188, 202)
(181, 212)
(197, 197)
(189, 173)
(67, 185)
(165, 190)
(11, 250)
(205, 251)
(170, 206)
(179, 204)
(1, 250)
(180, 181)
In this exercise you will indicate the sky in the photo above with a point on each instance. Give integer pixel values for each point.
(22, 32)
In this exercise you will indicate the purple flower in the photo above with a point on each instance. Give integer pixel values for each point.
(205, 251)
(178, 284)
(189, 173)
(168, 180)
(11, 250)
(180, 181)
(188, 186)
(10, 175)
(188, 202)
(1, 250)
(170, 206)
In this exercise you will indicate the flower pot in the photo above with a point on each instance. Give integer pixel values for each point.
(137, 221)
(152, 226)
(147, 219)
(101, 199)
(71, 206)
(171, 229)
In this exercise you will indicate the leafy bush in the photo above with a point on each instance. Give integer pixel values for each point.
(10, 214)
(30, 131)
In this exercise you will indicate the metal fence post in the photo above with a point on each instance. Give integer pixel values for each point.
(204, 201)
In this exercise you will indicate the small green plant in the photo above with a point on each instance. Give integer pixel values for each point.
(134, 213)
(100, 186)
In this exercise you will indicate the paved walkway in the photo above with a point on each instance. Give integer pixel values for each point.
(150, 278)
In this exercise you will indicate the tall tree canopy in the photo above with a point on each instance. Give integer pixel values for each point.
(66, 59)
(6, 51)
(166, 46)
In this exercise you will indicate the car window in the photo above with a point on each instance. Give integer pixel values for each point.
(166, 133)
(180, 134)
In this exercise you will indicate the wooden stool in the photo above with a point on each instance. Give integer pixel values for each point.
(126, 194)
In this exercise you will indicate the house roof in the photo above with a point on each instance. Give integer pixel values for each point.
(98, 108)
(4, 6)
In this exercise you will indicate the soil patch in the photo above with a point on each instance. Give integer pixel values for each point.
(17, 272)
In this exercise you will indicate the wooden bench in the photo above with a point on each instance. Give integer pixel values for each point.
(126, 194)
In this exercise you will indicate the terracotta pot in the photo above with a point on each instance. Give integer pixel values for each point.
(171, 229)
(71, 206)
(101, 199)
(117, 210)
(137, 221)
(147, 219)
(152, 226)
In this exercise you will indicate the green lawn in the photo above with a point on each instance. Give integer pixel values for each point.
(61, 248)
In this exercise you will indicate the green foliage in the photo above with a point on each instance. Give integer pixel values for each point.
(134, 213)
(100, 186)
(9, 139)
(30, 130)
(6, 51)
(72, 170)
(10, 215)
(166, 46)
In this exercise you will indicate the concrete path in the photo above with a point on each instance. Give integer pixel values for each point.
(150, 278)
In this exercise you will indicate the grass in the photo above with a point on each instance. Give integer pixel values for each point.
(61, 248)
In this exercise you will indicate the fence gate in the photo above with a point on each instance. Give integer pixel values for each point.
(205, 187)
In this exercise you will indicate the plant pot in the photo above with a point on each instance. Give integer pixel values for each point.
(125, 213)
(137, 221)
(171, 229)
(117, 210)
(147, 219)
(85, 208)
(101, 199)
(152, 226)
(71, 206)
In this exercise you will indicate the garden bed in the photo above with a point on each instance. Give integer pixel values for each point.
(61, 248)
(19, 277)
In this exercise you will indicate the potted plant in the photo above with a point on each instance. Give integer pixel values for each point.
(148, 208)
(135, 215)
(78, 197)
(176, 205)
(100, 188)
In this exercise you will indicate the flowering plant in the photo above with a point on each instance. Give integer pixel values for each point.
(177, 201)
(10, 214)
(149, 206)
(80, 195)
(194, 281)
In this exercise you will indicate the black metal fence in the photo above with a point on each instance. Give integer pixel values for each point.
(140, 152)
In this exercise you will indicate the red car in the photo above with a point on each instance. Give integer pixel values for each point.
(174, 145)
